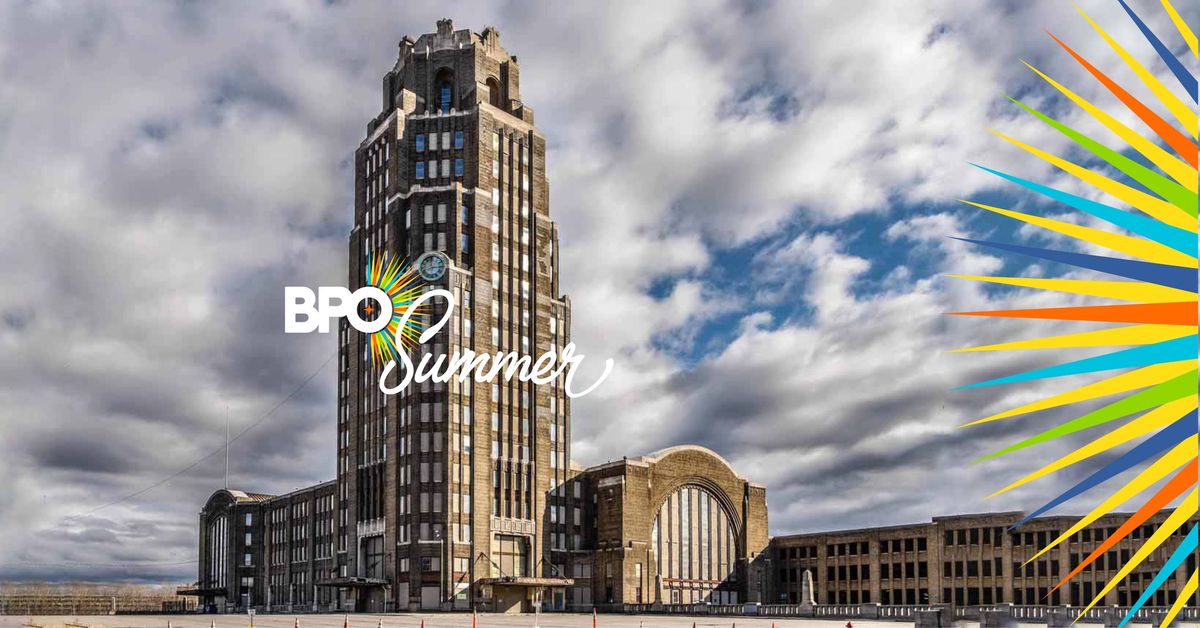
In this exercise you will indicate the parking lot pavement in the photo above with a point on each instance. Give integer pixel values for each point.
(433, 620)
(416, 620)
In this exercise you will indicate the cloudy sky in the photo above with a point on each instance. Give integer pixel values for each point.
(754, 202)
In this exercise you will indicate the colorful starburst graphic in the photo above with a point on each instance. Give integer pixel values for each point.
(403, 284)
(1149, 220)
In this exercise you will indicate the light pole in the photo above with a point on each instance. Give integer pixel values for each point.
(437, 535)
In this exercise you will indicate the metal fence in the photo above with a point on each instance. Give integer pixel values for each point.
(69, 604)
(1026, 614)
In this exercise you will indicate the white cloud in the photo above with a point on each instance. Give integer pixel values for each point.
(166, 169)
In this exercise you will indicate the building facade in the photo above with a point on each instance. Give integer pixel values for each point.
(463, 494)
(968, 560)
(445, 485)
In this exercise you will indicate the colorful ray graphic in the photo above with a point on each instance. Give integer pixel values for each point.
(403, 284)
(1149, 218)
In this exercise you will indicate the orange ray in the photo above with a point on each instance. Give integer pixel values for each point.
(1178, 141)
(1184, 480)
(1182, 313)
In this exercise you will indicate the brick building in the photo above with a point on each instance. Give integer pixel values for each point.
(967, 560)
(463, 495)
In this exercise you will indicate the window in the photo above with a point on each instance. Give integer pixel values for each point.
(433, 169)
(445, 167)
(458, 167)
(458, 139)
(445, 139)
(441, 212)
(433, 142)
(464, 245)
(444, 94)
(420, 142)
(420, 173)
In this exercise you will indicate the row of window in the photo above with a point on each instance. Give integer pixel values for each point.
(972, 568)
(429, 169)
(422, 144)
(975, 536)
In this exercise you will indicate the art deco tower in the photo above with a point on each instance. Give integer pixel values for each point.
(444, 488)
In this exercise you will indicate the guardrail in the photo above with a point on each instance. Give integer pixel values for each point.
(68, 604)
(1025, 614)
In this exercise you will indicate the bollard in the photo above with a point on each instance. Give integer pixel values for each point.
(296, 624)
(346, 621)
(213, 624)
(168, 623)
(422, 622)
(593, 617)
(380, 623)
(472, 618)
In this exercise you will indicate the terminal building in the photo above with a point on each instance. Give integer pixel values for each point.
(465, 496)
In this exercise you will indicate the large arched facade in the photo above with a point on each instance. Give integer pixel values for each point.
(695, 543)
(678, 526)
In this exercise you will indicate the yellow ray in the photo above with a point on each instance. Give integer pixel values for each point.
(1116, 337)
(1122, 290)
(1137, 247)
(1180, 455)
(1186, 509)
(1189, 587)
(1149, 204)
(1155, 419)
(1176, 168)
(1186, 32)
(1133, 380)
(1181, 110)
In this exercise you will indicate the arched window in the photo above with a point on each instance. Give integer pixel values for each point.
(695, 545)
(445, 90)
(493, 92)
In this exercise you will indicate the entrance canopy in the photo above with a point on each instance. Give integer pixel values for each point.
(528, 581)
(353, 581)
